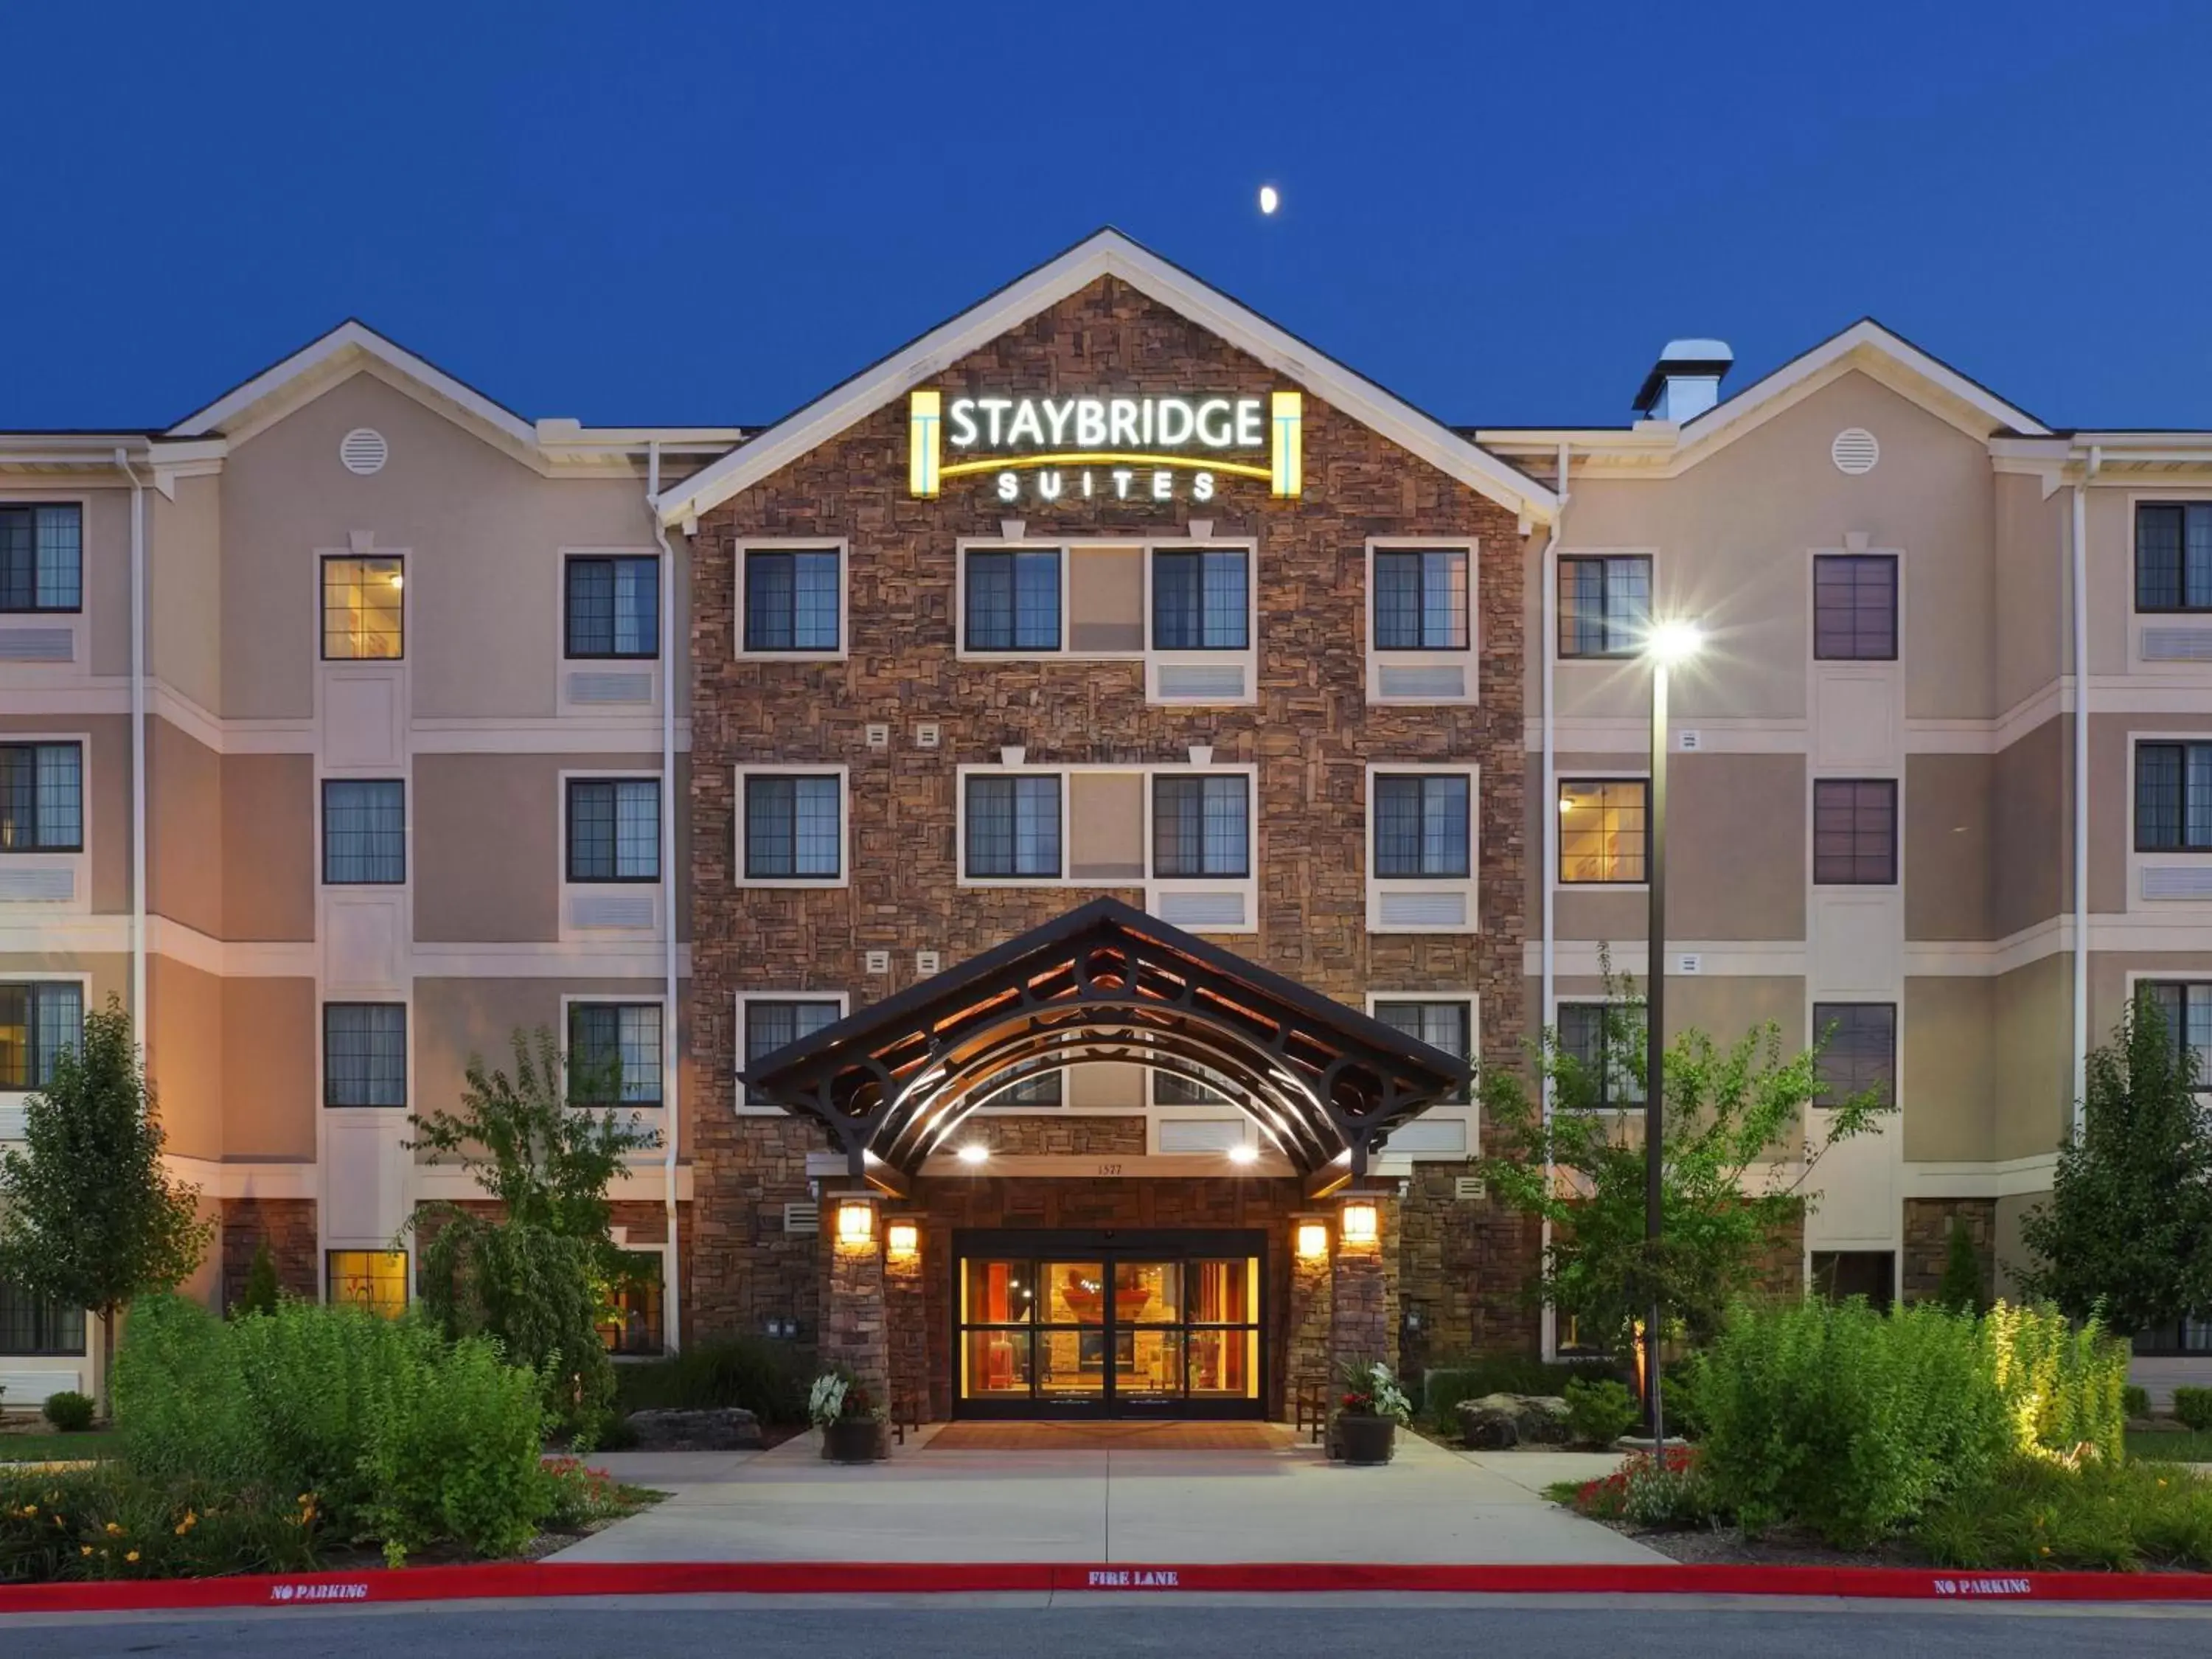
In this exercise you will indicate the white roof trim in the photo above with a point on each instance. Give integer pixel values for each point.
(1109, 253)
(352, 338)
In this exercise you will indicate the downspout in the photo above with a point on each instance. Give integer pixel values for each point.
(672, 1058)
(2080, 560)
(1550, 1334)
(137, 749)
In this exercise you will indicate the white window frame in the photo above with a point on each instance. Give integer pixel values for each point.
(1466, 1111)
(961, 776)
(793, 545)
(79, 863)
(962, 547)
(77, 621)
(744, 1002)
(1247, 885)
(785, 768)
(327, 996)
(1468, 886)
(654, 892)
(11, 1100)
(568, 554)
(602, 999)
(1577, 1001)
(1557, 564)
(1156, 659)
(1468, 661)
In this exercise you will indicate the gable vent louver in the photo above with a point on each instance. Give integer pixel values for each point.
(1855, 451)
(362, 450)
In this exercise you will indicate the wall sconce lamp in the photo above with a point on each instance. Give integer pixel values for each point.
(856, 1221)
(904, 1238)
(1362, 1225)
(1312, 1240)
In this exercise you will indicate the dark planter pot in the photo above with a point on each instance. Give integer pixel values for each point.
(1366, 1439)
(852, 1440)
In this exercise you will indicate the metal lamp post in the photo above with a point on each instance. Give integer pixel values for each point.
(1668, 644)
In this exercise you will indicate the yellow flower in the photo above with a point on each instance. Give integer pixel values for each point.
(133, 1556)
(87, 1550)
(2047, 1549)
(33, 1509)
(114, 1531)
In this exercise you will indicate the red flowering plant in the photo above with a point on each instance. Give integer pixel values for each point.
(1370, 1389)
(1647, 1493)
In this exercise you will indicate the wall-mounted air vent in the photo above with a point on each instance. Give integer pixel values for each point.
(600, 687)
(1469, 1189)
(364, 450)
(1190, 908)
(802, 1217)
(626, 911)
(1689, 963)
(1421, 909)
(926, 963)
(2177, 881)
(1199, 683)
(878, 962)
(1855, 451)
(926, 734)
(1442, 684)
(46, 884)
(2176, 645)
(1689, 742)
(879, 736)
(37, 644)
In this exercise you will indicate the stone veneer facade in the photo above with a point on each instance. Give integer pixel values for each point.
(1311, 734)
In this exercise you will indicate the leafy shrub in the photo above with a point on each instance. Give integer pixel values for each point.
(764, 1377)
(69, 1410)
(2054, 1513)
(581, 1496)
(112, 1522)
(393, 1433)
(2135, 1399)
(1678, 1395)
(2062, 1386)
(1680, 1494)
(1443, 1387)
(1845, 1421)
(1960, 1288)
(1598, 1411)
(259, 1296)
(2193, 1406)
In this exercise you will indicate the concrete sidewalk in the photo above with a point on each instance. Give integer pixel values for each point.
(1429, 1506)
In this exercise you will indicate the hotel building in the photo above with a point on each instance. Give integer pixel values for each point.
(1049, 827)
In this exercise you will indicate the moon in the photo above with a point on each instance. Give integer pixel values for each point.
(1270, 199)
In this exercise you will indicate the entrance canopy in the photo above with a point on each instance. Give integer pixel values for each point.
(1325, 1084)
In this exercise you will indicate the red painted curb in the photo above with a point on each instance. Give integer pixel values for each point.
(540, 1578)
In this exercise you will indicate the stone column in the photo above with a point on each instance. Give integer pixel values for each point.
(1306, 1321)
(906, 1317)
(854, 1334)
(1363, 1322)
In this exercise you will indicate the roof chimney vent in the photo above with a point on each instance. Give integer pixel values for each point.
(1686, 381)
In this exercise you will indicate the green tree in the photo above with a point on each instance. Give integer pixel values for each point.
(1960, 1288)
(90, 1217)
(259, 1296)
(2127, 1231)
(1732, 1173)
(544, 1148)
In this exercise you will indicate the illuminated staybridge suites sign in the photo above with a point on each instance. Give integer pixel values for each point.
(1111, 449)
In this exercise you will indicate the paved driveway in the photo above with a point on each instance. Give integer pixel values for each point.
(1160, 1507)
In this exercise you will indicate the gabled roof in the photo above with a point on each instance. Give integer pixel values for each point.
(321, 359)
(1108, 253)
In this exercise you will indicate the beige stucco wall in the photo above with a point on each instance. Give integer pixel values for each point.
(1946, 1071)
(2030, 875)
(184, 589)
(107, 795)
(270, 1091)
(185, 1031)
(1735, 847)
(2029, 603)
(269, 853)
(2032, 1075)
(185, 828)
(1723, 1006)
(482, 532)
(1947, 845)
(1733, 537)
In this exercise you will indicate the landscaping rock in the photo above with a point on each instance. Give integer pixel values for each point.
(718, 1428)
(1499, 1420)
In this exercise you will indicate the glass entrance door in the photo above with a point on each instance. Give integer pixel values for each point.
(1110, 1327)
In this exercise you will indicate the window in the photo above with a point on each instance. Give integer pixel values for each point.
(1201, 826)
(1854, 607)
(1854, 832)
(1013, 600)
(770, 1025)
(1169, 1089)
(364, 831)
(1421, 599)
(1860, 1052)
(1014, 826)
(1839, 1275)
(792, 829)
(614, 1053)
(2187, 1006)
(363, 611)
(1421, 824)
(1446, 1025)
(614, 606)
(1604, 829)
(1042, 1089)
(791, 600)
(1605, 605)
(614, 829)
(364, 1053)
(2174, 797)
(2173, 555)
(37, 1021)
(42, 557)
(41, 798)
(633, 1295)
(33, 1327)
(1600, 1039)
(1201, 600)
(374, 1279)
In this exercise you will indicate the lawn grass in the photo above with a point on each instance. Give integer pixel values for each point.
(2193, 1446)
(42, 1448)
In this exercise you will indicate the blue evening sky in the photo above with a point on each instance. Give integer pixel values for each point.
(635, 211)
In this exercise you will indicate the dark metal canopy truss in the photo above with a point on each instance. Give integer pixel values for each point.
(890, 1083)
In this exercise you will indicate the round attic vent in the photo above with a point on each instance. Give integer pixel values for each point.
(364, 450)
(1855, 451)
